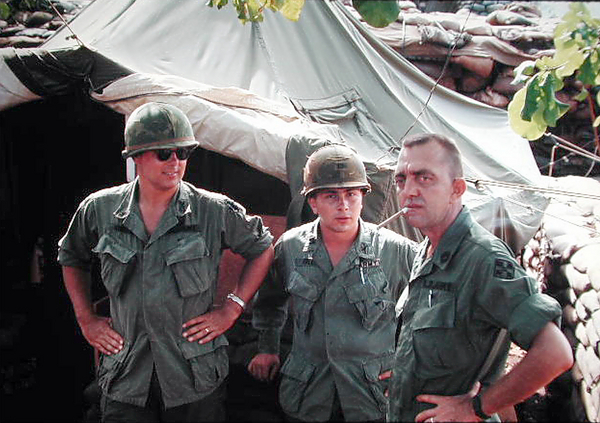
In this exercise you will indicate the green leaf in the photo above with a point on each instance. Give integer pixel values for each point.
(523, 72)
(255, 10)
(586, 72)
(291, 9)
(377, 13)
(532, 97)
(568, 60)
(539, 125)
(531, 130)
(583, 95)
(4, 11)
(218, 3)
(553, 111)
(274, 5)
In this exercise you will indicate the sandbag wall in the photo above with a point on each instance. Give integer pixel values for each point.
(564, 256)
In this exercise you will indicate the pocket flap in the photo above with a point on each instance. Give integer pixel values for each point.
(357, 292)
(375, 367)
(194, 349)
(108, 244)
(440, 315)
(298, 368)
(302, 287)
(109, 361)
(189, 248)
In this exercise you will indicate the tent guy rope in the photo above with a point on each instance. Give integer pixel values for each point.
(67, 25)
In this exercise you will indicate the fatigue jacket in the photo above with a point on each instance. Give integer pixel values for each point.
(159, 282)
(344, 322)
(458, 300)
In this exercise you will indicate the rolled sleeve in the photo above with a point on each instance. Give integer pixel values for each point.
(71, 259)
(244, 234)
(75, 247)
(531, 316)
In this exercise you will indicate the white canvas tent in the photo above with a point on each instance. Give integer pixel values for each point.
(268, 94)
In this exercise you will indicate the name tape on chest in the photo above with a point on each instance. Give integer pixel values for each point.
(306, 261)
(370, 262)
(439, 286)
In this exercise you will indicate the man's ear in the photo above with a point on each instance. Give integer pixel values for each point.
(459, 186)
(312, 202)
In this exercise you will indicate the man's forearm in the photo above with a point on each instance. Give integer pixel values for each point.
(549, 356)
(253, 274)
(78, 284)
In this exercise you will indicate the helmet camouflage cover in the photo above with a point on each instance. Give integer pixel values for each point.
(154, 126)
(334, 166)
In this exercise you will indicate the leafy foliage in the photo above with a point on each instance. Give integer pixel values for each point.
(252, 10)
(378, 13)
(577, 52)
(10, 7)
(4, 11)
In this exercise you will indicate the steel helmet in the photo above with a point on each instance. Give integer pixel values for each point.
(334, 166)
(154, 126)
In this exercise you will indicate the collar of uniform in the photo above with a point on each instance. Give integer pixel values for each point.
(182, 201)
(125, 207)
(310, 240)
(364, 241)
(452, 238)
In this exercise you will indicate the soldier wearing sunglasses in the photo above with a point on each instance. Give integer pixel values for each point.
(159, 241)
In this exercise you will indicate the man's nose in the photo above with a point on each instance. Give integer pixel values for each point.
(173, 156)
(344, 202)
(410, 189)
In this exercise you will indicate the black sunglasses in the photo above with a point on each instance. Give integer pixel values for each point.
(181, 153)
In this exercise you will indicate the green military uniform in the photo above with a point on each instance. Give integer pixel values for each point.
(457, 302)
(158, 282)
(344, 322)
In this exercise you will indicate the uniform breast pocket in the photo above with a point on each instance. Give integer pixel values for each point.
(373, 369)
(304, 294)
(116, 263)
(297, 373)
(372, 299)
(191, 265)
(438, 349)
(110, 367)
(208, 362)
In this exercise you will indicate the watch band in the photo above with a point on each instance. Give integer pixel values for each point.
(231, 296)
(477, 408)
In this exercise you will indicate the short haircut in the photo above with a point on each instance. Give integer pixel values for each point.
(454, 156)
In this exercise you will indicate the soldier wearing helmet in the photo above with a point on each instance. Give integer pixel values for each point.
(159, 241)
(343, 277)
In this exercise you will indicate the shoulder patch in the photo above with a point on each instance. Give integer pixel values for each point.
(504, 269)
(235, 207)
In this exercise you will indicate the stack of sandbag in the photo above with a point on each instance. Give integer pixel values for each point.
(485, 41)
(27, 28)
(565, 256)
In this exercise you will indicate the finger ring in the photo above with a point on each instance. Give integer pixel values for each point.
(207, 330)
(431, 420)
